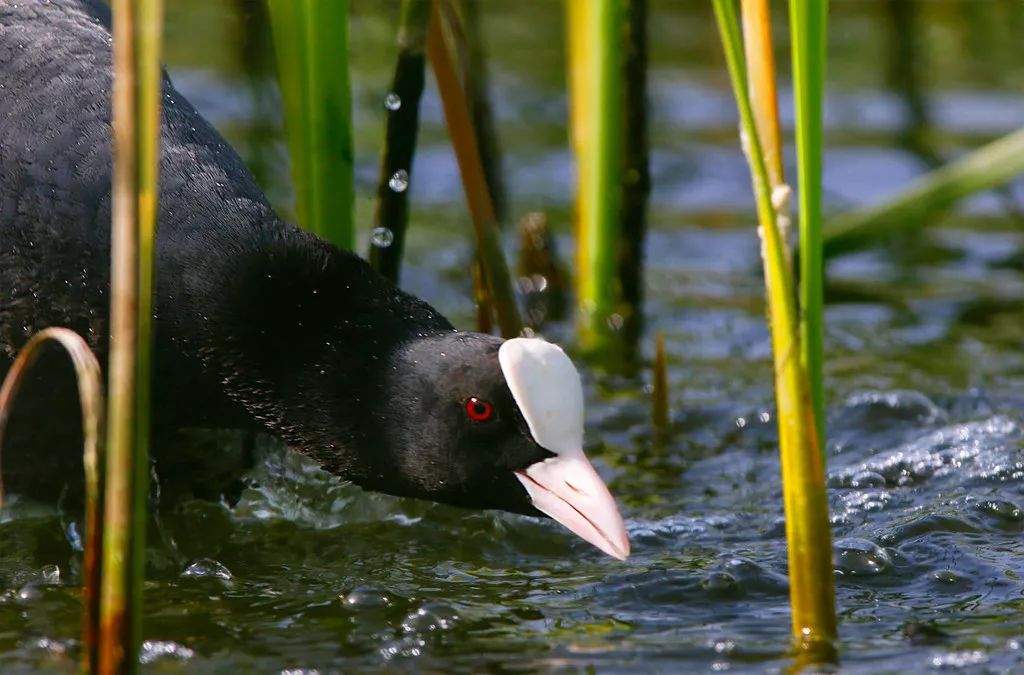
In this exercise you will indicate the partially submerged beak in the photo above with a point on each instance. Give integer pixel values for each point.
(569, 490)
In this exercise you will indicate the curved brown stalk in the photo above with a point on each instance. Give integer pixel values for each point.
(90, 396)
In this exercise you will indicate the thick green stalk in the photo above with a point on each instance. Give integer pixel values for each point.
(596, 66)
(90, 397)
(812, 595)
(136, 129)
(403, 109)
(311, 43)
(808, 35)
(987, 167)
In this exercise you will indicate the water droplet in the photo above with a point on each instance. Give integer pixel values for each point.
(399, 181)
(382, 237)
(392, 101)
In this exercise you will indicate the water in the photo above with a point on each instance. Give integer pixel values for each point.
(925, 384)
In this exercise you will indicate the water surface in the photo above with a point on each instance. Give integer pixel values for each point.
(925, 383)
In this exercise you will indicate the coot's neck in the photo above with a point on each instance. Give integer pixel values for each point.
(299, 335)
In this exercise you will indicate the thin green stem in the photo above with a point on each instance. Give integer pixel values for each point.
(808, 37)
(987, 167)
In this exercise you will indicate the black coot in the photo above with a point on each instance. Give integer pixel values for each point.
(260, 324)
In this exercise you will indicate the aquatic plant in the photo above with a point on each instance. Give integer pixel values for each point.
(498, 282)
(136, 130)
(463, 23)
(659, 389)
(807, 20)
(402, 102)
(806, 506)
(311, 44)
(90, 397)
(983, 169)
(595, 74)
(636, 175)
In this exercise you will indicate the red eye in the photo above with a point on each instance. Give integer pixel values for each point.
(479, 410)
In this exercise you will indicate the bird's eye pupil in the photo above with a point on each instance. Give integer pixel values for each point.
(479, 410)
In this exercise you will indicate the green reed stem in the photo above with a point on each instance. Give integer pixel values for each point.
(136, 129)
(90, 397)
(311, 43)
(812, 595)
(403, 110)
(808, 35)
(983, 169)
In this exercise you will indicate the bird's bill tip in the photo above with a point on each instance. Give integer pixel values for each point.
(568, 489)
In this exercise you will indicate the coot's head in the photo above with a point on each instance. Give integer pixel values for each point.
(471, 420)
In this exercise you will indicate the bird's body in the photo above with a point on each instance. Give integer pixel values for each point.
(258, 324)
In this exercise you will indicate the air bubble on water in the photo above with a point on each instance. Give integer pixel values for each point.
(867, 479)
(1002, 510)
(156, 650)
(959, 660)
(392, 101)
(430, 618)
(382, 237)
(366, 597)
(860, 558)
(50, 575)
(399, 181)
(207, 568)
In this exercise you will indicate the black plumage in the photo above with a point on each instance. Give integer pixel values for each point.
(258, 324)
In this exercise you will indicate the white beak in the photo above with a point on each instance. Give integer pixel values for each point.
(570, 491)
(547, 389)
